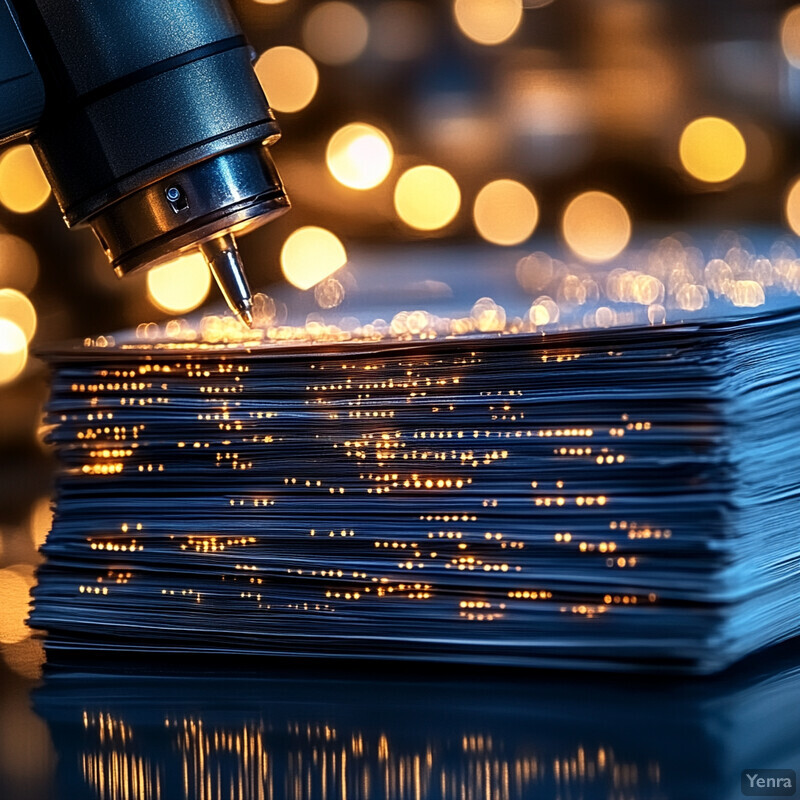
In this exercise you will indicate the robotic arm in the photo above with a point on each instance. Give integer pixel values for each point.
(149, 123)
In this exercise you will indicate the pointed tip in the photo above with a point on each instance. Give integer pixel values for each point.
(226, 266)
(246, 316)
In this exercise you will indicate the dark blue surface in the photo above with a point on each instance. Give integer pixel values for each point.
(341, 731)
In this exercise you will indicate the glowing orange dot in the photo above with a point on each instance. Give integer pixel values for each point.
(23, 185)
(427, 198)
(488, 22)
(712, 149)
(505, 212)
(792, 206)
(289, 78)
(310, 255)
(181, 285)
(359, 156)
(335, 32)
(790, 36)
(596, 226)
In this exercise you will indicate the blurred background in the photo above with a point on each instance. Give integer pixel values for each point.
(568, 125)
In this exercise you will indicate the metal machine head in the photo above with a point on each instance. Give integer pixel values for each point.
(152, 127)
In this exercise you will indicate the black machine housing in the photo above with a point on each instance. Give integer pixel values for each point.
(147, 117)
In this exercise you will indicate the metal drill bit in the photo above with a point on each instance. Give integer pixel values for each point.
(225, 263)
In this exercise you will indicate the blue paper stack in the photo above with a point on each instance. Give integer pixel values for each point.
(620, 497)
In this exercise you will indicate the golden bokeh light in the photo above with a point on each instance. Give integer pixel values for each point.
(310, 255)
(181, 285)
(23, 185)
(359, 156)
(712, 149)
(792, 206)
(19, 264)
(16, 308)
(13, 351)
(596, 226)
(335, 32)
(505, 212)
(790, 35)
(488, 22)
(427, 198)
(329, 293)
(26, 658)
(289, 78)
(14, 599)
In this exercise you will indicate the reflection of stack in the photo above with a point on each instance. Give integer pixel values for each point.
(299, 735)
(620, 498)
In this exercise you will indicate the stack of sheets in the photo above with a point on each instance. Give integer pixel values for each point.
(461, 489)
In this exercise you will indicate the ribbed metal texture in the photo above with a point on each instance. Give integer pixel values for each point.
(137, 91)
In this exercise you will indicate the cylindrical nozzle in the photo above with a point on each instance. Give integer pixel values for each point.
(223, 259)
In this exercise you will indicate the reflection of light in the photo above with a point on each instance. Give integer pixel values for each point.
(19, 265)
(329, 293)
(13, 351)
(596, 226)
(712, 149)
(505, 212)
(488, 21)
(16, 308)
(180, 285)
(23, 186)
(488, 315)
(335, 32)
(400, 30)
(288, 77)
(13, 606)
(270, 2)
(792, 206)
(359, 156)
(536, 271)
(310, 255)
(790, 36)
(748, 294)
(691, 297)
(427, 198)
